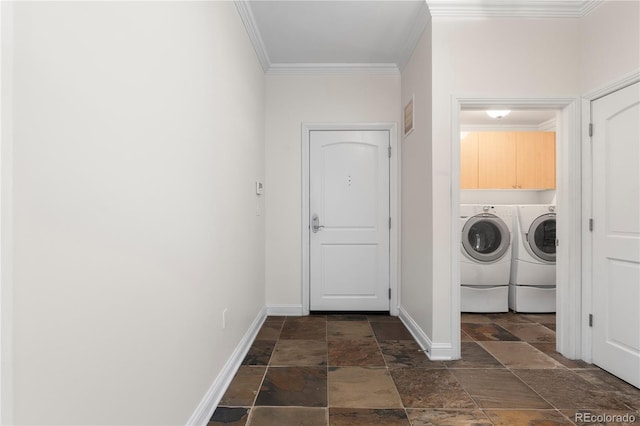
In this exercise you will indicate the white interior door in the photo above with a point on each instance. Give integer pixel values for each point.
(349, 217)
(616, 233)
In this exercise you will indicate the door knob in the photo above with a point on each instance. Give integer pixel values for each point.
(315, 223)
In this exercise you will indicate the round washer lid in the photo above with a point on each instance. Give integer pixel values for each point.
(485, 237)
(542, 237)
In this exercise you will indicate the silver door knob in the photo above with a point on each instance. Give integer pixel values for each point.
(315, 223)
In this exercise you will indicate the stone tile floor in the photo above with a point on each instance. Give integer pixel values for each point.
(368, 370)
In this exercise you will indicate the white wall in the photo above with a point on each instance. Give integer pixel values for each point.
(417, 193)
(138, 135)
(292, 100)
(6, 291)
(487, 58)
(610, 43)
(507, 196)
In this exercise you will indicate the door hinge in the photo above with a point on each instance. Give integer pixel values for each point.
(591, 225)
(389, 222)
(590, 320)
(557, 242)
(389, 293)
(590, 129)
(389, 151)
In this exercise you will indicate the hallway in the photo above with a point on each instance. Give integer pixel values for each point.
(368, 370)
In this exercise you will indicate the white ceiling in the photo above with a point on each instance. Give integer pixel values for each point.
(371, 35)
(358, 32)
(524, 118)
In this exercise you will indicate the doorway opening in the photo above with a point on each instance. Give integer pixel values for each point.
(528, 115)
(507, 194)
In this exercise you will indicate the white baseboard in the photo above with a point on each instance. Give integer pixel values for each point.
(435, 351)
(207, 406)
(284, 310)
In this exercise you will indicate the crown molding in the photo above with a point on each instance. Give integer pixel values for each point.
(512, 9)
(419, 24)
(244, 9)
(322, 68)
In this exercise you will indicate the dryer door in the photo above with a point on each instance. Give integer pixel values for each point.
(542, 237)
(485, 237)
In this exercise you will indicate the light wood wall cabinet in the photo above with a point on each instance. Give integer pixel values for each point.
(508, 160)
(469, 161)
(536, 160)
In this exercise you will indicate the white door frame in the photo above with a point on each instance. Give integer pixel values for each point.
(571, 222)
(587, 203)
(394, 190)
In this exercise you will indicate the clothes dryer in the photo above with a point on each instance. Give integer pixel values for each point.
(485, 264)
(532, 285)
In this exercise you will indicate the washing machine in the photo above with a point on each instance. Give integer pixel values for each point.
(532, 285)
(485, 261)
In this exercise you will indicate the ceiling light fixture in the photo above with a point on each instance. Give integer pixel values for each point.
(494, 113)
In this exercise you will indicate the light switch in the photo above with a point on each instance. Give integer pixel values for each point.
(259, 188)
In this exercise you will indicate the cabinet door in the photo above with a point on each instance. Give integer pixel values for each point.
(469, 161)
(535, 160)
(497, 160)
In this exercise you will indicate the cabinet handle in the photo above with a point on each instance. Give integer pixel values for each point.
(519, 186)
(513, 186)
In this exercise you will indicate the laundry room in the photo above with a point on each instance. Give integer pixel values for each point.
(508, 210)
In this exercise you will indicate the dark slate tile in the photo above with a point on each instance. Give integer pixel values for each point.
(299, 353)
(607, 382)
(474, 356)
(367, 417)
(540, 318)
(294, 386)
(347, 317)
(349, 330)
(229, 417)
(508, 318)
(383, 318)
(244, 387)
(550, 350)
(567, 390)
(391, 331)
(270, 330)
(457, 417)
(282, 416)
(499, 388)
(519, 355)
(474, 318)
(304, 328)
(359, 352)
(357, 387)
(527, 417)
(533, 333)
(488, 331)
(430, 388)
(259, 352)
(406, 353)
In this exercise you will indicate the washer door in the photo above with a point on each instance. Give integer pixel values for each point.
(542, 237)
(485, 237)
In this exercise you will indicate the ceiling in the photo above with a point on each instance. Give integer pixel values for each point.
(367, 35)
(522, 118)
